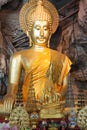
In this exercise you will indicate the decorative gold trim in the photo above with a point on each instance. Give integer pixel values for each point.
(31, 5)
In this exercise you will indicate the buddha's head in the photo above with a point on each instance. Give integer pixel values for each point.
(39, 23)
(40, 33)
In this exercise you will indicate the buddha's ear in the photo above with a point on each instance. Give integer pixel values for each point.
(48, 45)
(30, 41)
(27, 33)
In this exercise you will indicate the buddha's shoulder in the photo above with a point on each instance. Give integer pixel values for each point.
(58, 54)
(20, 53)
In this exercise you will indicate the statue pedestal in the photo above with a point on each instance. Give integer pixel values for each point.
(52, 111)
(50, 115)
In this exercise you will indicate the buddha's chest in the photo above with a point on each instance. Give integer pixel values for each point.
(37, 60)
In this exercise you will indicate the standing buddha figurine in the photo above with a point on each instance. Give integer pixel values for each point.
(39, 20)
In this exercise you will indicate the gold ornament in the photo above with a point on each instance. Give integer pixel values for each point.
(34, 10)
(19, 117)
(82, 118)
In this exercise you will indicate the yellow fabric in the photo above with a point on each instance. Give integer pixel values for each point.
(39, 68)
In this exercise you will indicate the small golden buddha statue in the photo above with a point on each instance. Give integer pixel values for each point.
(39, 20)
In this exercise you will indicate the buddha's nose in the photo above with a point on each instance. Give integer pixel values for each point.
(41, 32)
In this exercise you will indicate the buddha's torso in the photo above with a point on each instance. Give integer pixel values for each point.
(35, 61)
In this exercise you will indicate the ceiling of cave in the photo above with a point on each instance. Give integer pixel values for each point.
(57, 3)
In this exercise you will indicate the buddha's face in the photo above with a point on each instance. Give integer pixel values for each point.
(40, 33)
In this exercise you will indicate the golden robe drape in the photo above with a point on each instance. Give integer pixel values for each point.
(61, 66)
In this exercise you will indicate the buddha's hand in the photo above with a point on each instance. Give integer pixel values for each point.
(8, 103)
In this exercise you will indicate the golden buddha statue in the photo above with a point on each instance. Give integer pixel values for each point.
(39, 20)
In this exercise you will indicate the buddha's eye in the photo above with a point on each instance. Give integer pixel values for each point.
(45, 28)
(37, 27)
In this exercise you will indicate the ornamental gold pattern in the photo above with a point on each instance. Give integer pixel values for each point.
(31, 9)
(19, 117)
(82, 118)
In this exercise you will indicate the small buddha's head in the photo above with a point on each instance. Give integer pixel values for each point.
(39, 22)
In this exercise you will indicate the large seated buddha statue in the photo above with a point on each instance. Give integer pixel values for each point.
(49, 68)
